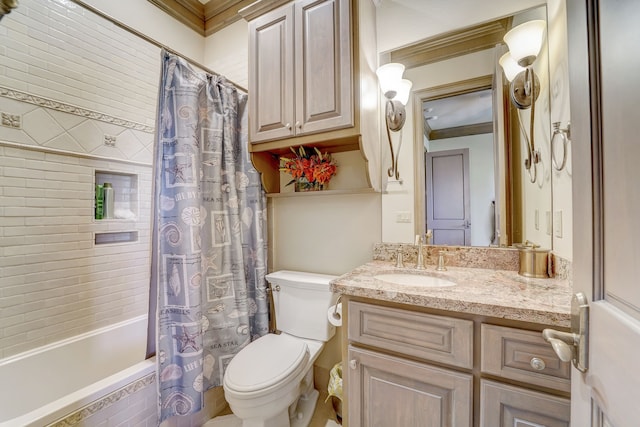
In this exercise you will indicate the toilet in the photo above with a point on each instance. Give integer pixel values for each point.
(269, 383)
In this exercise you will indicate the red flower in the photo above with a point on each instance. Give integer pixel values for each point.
(315, 168)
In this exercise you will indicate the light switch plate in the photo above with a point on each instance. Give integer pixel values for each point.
(557, 224)
(548, 219)
(537, 219)
(403, 216)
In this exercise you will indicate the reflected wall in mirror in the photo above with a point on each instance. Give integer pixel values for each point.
(522, 212)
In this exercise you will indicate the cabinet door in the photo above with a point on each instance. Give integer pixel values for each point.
(271, 75)
(324, 98)
(503, 405)
(391, 391)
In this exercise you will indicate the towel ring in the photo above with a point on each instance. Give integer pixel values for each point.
(565, 134)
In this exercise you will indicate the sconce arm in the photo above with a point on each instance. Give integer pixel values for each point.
(395, 116)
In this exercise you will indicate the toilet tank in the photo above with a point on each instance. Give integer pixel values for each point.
(301, 303)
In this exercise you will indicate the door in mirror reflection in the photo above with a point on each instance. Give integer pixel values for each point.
(447, 197)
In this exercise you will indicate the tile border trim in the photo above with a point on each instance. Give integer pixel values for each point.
(74, 418)
(71, 109)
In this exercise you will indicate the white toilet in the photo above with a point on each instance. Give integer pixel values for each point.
(269, 383)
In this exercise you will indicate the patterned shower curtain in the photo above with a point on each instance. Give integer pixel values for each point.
(209, 235)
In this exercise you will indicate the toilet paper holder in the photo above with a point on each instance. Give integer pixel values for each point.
(335, 314)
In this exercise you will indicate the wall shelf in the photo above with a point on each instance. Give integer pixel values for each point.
(322, 193)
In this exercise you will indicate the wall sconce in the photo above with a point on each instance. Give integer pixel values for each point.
(525, 42)
(396, 90)
(6, 6)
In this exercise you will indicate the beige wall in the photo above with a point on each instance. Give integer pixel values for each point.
(148, 19)
(405, 22)
(560, 112)
(226, 52)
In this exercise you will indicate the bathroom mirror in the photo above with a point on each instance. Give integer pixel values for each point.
(468, 149)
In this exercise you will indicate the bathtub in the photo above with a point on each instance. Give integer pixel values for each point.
(42, 386)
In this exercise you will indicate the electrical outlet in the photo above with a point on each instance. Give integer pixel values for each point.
(403, 216)
(557, 224)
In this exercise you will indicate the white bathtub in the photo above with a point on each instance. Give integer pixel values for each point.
(41, 386)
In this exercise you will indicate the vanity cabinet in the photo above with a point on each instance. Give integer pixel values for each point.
(312, 82)
(300, 70)
(389, 390)
(524, 356)
(394, 391)
(407, 366)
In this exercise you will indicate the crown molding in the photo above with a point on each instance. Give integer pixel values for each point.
(451, 44)
(203, 19)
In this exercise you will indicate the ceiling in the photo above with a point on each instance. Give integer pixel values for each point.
(459, 115)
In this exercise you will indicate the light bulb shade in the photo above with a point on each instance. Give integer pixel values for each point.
(389, 77)
(404, 89)
(525, 41)
(510, 66)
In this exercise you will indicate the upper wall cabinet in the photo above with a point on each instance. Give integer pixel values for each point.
(300, 70)
(311, 67)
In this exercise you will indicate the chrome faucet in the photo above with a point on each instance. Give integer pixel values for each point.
(420, 263)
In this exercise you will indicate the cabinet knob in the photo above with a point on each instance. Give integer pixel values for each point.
(299, 125)
(537, 364)
(276, 288)
(353, 363)
(288, 126)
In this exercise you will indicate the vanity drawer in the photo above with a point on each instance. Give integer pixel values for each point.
(522, 356)
(435, 338)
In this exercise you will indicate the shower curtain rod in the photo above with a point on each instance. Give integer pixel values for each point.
(153, 41)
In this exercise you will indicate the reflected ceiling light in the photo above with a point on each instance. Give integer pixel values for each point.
(525, 42)
(397, 91)
(510, 66)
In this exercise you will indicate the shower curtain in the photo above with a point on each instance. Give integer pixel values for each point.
(209, 235)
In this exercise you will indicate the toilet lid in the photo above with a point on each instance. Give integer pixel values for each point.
(265, 362)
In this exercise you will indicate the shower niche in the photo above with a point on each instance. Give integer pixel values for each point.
(125, 208)
(125, 189)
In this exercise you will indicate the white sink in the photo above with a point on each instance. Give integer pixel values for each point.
(415, 280)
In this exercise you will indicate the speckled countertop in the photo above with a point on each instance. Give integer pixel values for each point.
(494, 293)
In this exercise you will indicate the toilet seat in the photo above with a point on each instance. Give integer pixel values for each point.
(264, 364)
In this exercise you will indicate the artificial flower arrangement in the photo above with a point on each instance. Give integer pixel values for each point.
(310, 171)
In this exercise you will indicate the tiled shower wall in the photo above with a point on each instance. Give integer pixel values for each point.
(58, 50)
(77, 95)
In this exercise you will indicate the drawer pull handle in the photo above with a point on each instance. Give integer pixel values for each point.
(353, 363)
(538, 364)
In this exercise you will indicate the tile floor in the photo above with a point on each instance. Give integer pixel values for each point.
(323, 416)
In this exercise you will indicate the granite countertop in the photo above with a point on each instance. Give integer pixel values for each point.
(494, 293)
